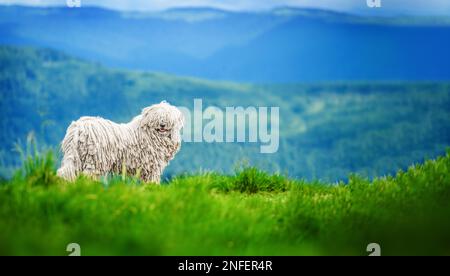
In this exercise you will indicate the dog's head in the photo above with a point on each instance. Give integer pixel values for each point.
(163, 119)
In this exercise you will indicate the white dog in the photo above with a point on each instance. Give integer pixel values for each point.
(95, 146)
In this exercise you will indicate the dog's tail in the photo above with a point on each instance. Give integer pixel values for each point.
(70, 164)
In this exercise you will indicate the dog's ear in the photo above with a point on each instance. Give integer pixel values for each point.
(175, 134)
(146, 116)
(181, 119)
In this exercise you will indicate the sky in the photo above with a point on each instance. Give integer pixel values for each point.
(388, 7)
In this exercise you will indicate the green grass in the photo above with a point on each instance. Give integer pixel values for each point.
(248, 213)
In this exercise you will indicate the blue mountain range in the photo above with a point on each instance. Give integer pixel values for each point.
(281, 45)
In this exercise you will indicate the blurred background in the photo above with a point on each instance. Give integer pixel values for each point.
(360, 90)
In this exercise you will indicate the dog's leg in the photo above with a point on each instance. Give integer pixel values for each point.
(150, 177)
(90, 167)
(156, 179)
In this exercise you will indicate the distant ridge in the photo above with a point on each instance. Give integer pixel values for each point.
(282, 45)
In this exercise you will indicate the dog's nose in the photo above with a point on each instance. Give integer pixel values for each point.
(162, 125)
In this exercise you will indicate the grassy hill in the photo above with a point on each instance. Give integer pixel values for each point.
(247, 213)
(328, 130)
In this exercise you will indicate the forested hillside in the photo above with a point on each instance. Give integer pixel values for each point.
(327, 129)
